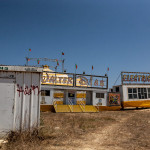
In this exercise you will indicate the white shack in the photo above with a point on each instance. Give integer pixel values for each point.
(20, 88)
(134, 90)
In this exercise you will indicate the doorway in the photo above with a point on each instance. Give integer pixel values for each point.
(71, 97)
(89, 98)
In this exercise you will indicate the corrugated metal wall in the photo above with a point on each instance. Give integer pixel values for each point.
(20, 100)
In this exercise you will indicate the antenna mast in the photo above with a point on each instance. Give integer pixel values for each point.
(46, 59)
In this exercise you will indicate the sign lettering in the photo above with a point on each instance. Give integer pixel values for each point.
(135, 77)
(63, 79)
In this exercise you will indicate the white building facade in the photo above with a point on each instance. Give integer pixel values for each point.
(73, 89)
(135, 89)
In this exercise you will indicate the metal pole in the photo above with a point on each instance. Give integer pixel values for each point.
(56, 69)
(26, 61)
(63, 65)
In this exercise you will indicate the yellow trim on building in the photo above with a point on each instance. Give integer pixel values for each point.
(45, 108)
(141, 103)
(61, 95)
(81, 95)
(58, 95)
(81, 102)
(59, 102)
(78, 102)
(108, 108)
(50, 108)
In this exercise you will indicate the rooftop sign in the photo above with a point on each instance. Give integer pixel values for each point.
(91, 81)
(75, 80)
(135, 78)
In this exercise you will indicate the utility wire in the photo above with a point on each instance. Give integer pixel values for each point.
(117, 79)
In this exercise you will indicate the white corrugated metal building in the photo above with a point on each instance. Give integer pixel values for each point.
(20, 88)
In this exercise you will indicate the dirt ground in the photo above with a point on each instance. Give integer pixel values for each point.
(107, 130)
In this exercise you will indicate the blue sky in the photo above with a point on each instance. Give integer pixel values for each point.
(102, 33)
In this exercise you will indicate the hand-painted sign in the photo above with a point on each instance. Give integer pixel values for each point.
(91, 81)
(57, 79)
(114, 99)
(77, 80)
(135, 77)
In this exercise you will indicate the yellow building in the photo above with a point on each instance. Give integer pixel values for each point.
(68, 92)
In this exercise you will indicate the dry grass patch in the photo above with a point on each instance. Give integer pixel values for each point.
(73, 131)
(23, 140)
(57, 130)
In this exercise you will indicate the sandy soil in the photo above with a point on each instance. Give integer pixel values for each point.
(112, 130)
